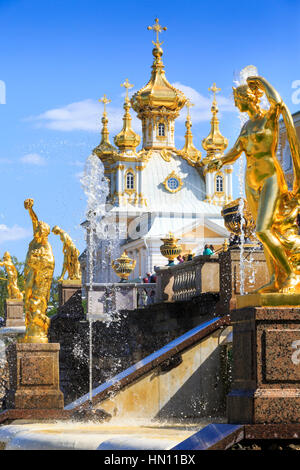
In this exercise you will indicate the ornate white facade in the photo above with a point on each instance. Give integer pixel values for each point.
(161, 189)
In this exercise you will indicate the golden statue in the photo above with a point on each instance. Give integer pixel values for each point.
(12, 278)
(273, 207)
(71, 263)
(39, 267)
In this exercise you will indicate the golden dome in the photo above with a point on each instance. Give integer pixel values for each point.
(215, 142)
(189, 151)
(104, 149)
(158, 93)
(127, 139)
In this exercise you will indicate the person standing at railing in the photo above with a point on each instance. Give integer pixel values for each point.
(207, 251)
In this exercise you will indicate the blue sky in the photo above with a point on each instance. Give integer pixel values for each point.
(59, 57)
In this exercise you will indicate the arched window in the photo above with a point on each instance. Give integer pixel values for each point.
(161, 129)
(129, 180)
(219, 184)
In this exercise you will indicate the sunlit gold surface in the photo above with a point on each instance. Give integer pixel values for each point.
(123, 266)
(38, 272)
(170, 249)
(158, 97)
(12, 277)
(232, 219)
(104, 149)
(272, 299)
(71, 264)
(273, 207)
(214, 143)
(127, 139)
(189, 151)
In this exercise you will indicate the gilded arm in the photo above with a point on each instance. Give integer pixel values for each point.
(230, 157)
(28, 204)
(261, 83)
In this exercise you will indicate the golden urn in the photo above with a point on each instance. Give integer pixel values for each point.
(123, 266)
(235, 222)
(170, 249)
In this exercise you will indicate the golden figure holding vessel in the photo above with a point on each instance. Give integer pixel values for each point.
(38, 272)
(273, 207)
(123, 266)
(71, 264)
(12, 277)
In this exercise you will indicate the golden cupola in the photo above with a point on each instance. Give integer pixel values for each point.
(189, 151)
(215, 143)
(127, 139)
(158, 103)
(104, 150)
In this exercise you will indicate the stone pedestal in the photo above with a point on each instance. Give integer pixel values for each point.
(255, 275)
(108, 299)
(66, 290)
(266, 366)
(14, 312)
(34, 376)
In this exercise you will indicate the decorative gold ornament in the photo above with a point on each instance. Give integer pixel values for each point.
(105, 150)
(214, 143)
(170, 249)
(71, 264)
(158, 97)
(127, 139)
(231, 214)
(123, 266)
(189, 151)
(173, 183)
(38, 272)
(274, 208)
(12, 277)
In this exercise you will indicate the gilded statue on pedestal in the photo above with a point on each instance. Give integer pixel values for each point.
(12, 277)
(71, 264)
(273, 207)
(38, 272)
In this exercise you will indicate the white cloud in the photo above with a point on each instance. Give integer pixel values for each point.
(13, 233)
(33, 159)
(83, 116)
(201, 111)
(86, 115)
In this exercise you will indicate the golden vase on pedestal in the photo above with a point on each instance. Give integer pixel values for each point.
(123, 266)
(170, 249)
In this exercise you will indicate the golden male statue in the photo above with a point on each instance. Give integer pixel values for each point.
(71, 264)
(12, 277)
(273, 207)
(39, 267)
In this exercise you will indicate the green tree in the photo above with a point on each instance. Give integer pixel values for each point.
(54, 300)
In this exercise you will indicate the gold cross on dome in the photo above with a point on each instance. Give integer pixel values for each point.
(158, 29)
(105, 101)
(127, 85)
(189, 104)
(214, 89)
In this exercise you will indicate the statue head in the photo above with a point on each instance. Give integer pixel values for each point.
(246, 98)
(41, 232)
(56, 230)
(6, 256)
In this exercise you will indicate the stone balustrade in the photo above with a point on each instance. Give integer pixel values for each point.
(189, 279)
(219, 273)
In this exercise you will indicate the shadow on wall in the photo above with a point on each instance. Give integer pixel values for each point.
(202, 394)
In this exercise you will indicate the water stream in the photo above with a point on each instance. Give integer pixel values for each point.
(96, 188)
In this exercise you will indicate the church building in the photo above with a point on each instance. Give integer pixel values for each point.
(159, 188)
